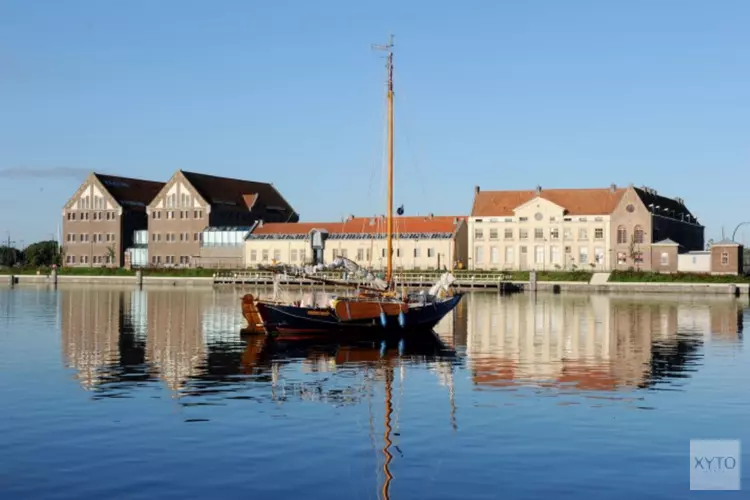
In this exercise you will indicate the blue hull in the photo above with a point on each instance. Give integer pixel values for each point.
(293, 319)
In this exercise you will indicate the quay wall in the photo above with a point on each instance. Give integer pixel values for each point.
(541, 286)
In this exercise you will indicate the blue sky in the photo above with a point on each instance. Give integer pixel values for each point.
(506, 95)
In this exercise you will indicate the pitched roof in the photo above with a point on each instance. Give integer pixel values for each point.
(365, 225)
(667, 206)
(726, 242)
(575, 201)
(238, 192)
(666, 242)
(133, 194)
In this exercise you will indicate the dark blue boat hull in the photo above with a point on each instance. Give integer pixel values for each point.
(293, 319)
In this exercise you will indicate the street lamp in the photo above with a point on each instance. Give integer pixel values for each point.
(734, 233)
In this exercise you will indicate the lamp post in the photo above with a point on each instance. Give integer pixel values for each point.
(734, 233)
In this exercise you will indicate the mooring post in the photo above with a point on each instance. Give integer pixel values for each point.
(139, 278)
(12, 280)
(54, 277)
(532, 281)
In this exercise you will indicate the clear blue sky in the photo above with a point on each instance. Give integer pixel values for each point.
(506, 95)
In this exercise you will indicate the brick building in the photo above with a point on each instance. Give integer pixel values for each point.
(100, 218)
(189, 203)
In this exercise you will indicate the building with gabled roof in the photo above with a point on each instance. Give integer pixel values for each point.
(191, 202)
(419, 242)
(100, 218)
(590, 229)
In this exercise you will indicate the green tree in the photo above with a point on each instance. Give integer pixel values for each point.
(42, 253)
(9, 256)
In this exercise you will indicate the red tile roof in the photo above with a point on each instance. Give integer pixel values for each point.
(367, 225)
(575, 201)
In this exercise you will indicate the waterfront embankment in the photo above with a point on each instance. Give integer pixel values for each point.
(522, 286)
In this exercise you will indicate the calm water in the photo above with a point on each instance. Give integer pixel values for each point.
(116, 393)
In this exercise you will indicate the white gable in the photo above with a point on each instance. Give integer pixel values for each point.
(541, 206)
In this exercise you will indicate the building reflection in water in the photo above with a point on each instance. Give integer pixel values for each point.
(189, 339)
(591, 342)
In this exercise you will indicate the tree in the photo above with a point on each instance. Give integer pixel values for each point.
(42, 253)
(633, 252)
(709, 244)
(9, 256)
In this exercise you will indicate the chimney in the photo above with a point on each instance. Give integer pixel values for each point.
(476, 189)
(613, 187)
(539, 190)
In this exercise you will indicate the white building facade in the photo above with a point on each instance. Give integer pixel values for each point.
(525, 230)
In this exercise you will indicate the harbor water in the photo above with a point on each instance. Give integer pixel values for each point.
(120, 393)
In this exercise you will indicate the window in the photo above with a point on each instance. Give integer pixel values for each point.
(554, 233)
(567, 234)
(523, 219)
(599, 255)
(568, 250)
(416, 253)
(254, 255)
(638, 234)
(598, 219)
(508, 234)
(508, 219)
(180, 236)
(583, 234)
(582, 219)
(554, 255)
(430, 252)
(302, 255)
(724, 258)
(493, 234)
(197, 214)
(112, 237)
(523, 250)
(293, 256)
(523, 234)
(479, 255)
(264, 257)
(583, 256)
(478, 234)
(539, 255)
(599, 233)
(360, 254)
(343, 253)
(196, 236)
(494, 255)
(383, 253)
(664, 259)
(552, 219)
(538, 233)
(639, 257)
(277, 255)
(509, 255)
(622, 234)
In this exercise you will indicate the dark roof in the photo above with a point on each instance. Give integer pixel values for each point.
(131, 194)
(668, 207)
(235, 192)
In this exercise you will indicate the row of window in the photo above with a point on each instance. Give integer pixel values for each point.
(170, 259)
(72, 216)
(539, 256)
(173, 237)
(84, 259)
(539, 234)
(362, 255)
(185, 200)
(85, 237)
(86, 203)
(539, 217)
(183, 214)
(622, 234)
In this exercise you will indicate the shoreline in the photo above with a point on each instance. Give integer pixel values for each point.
(523, 286)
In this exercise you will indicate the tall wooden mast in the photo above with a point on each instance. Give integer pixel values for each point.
(389, 231)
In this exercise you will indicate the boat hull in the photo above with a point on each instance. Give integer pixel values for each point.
(285, 319)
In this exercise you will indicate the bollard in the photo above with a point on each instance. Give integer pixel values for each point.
(532, 281)
(54, 277)
(12, 281)
(139, 278)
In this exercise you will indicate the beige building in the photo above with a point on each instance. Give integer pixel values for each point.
(587, 229)
(420, 242)
(100, 218)
(191, 202)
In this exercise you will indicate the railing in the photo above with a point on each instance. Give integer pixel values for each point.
(401, 277)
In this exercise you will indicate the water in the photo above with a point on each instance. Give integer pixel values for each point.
(117, 393)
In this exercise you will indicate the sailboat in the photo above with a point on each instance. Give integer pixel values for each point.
(376, 307)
